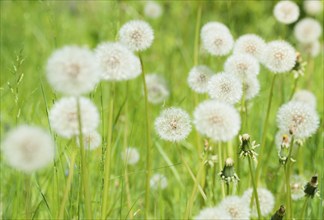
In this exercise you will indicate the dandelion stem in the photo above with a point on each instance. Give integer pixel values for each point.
(148, 145)
(255, 192)
(287, 172)
(227, 189)
(105, 204)
(84, 168)
(27, 197)
(304, 207)
(264, 130)
(220, 162)
(68, 184)
(294, 88)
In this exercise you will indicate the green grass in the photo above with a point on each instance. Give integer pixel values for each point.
(32, 30)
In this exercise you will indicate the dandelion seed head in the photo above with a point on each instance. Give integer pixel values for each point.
(266, 200)
(91, 141)
(64, 116)
(299, 118)
(198, 78)
(217, 120)
(213, 214)
(286, 12)
(158, 181)
(250, 44)
(28, 148)
(225, 87)
(131, 155)
(313, 49)
(251, 87)
(307, 30)
(157, 88)
(305, 97)
(117, 62)
(137, 35)
(173, 124)
(216, 38)
(152, 9)
(280, 56)
(72, 70)
(235, 207)
(313, 7)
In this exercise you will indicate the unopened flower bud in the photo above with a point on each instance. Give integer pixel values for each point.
(279, 213)
(311, 187)
(228, 173)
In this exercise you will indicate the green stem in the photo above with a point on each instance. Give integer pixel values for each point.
(220, 162)
(255, 192)
(288, 172)
(84, 168)
(27, 197)
(197, 34)
(304, 207)
(148, 145)
(264, 130)
(227, 189)
(294, 88)
(68, 185)
(107, 165)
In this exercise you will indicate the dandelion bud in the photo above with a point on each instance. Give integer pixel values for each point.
(299, 68)
(311, 187)
(279, 213)
(228, 174)
(246, 147)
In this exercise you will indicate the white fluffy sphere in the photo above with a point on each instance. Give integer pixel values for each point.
(28, 148)
(158, 181)
(72, 70)
(266, 200)
(297, 184)
(286, 12)
(216, 38)
(236, 208)
(117, 62)
(305, 97)
(250, 44)
(137, 35)
(157, 88)
(280, 56)
(91, 141)
(173, 124)
(214, 213)
(313, 49)
(217, 120)
(64, 116)
(313, 7)
(198, 78)
(251, 87)
(152, 9)
(225, 87)
(131, 156)
(307, 30)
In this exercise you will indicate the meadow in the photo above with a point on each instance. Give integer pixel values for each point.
(100, 183)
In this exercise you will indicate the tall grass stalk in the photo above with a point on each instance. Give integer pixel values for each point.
(288, 167)
(304, 207)
(255, 191)
(220, 163)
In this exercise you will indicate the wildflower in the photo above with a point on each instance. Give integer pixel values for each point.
(313, 7)
(266, 200)
(158, 181)
(228, 174)
(299, 119)
(28, 148)
(173, 124)
(305, 97)
(117, 62)
(72, 70)
(250, 44)
(280, 56)
(214, 213)
(247, 148)
(218, 121)
(310, 188)
(198, 78)
(137, 35)
(297, 187)
(156, 88)
(131, 156)
(280, 213)
(307, 30)
(242, 65)
(286, 12)
(299, 68)
(63, 116)
(152, 9)
(225, 87)
(216, 38)
(251, 87)
(92, 140)
(236, 207)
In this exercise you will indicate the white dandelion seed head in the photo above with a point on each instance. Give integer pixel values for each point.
(64, 116)
(297, 183)
(198, 78)
(225, 88)
(251, 87)
(28, 148)
(137, 35)
(250, 44)
(117, 62)
(242, 66)
(305, 97)
(157, 88)
(235, 207)
(266, 200)
(152, 9)
(217, 120)
(286, 12)
(307, 30)
(72, 70)
(91, 141)
(280, 56)
(313, 7)
(131, 155)
(158, 181)
(216, 38)
(173, 124)
(299, 118)
(313, 49)
(214, 213)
